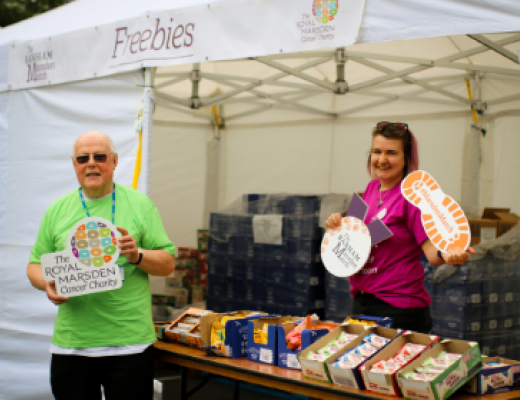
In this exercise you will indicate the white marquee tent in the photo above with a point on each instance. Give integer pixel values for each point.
(248, 97)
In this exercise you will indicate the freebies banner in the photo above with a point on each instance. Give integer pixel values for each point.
(223, 31)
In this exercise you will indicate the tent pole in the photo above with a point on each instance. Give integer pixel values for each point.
(195, 80)
(147, 127)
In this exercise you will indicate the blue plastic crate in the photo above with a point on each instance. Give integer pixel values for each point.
(217, 246)
(254, 292)
(241, 248)
(219, 225)
(338, 303)
(301, 226)
(241, 225)
(459, 292)
(304, 250)
(301, 205)
(302, 275)
(311, 298)
(336, 283)
(275, 293)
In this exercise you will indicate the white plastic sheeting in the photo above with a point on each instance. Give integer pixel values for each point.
(37, 129)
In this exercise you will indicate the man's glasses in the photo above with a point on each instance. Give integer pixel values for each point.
(98, 158)
(396, 125)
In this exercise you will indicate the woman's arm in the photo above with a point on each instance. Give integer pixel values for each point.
(454, 257)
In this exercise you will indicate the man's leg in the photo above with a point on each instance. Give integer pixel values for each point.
(74, 377)
(129, 377)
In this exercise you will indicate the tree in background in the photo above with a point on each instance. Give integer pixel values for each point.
(12, 11)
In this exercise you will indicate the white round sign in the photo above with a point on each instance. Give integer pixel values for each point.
(345, 250)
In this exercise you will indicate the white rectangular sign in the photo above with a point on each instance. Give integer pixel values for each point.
(218, 31)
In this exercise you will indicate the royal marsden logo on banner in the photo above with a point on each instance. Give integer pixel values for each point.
(38, 64)
(320, 24)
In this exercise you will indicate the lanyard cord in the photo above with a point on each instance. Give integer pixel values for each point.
(80, 190)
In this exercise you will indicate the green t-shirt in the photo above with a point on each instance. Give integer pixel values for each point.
(117, 317)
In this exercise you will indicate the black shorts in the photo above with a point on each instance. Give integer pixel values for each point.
(415, 319)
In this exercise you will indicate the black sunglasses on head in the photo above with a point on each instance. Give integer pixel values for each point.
(397, 125)
(98, 158)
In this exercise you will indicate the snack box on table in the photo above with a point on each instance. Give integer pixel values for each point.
(385, 322)
(444, 385)
(190, 336)
(265, 353)
(159, 327)
(319, 370)
(495, 379)
(387, 383)
(351, 377)
(235, 344)
(288, 358)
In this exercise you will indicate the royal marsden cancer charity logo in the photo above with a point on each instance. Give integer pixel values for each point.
(38, 64)
(320, 24)
(325, 10)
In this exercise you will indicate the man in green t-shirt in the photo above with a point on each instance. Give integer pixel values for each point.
(104, 339)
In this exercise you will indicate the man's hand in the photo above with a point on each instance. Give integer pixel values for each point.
(127, 246)
(54, 297)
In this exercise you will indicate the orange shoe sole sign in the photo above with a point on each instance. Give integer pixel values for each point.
(443, 220)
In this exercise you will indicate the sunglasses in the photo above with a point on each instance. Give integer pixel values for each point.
(98, 158)
(397, 125)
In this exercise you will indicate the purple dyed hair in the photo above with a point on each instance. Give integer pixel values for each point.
(410, 147)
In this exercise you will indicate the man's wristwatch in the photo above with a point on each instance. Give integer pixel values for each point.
(439, 253)
(139, 259)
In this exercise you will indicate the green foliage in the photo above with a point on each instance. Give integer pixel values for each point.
(12, 11)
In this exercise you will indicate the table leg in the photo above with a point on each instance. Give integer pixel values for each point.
(236, 390)
(184, 383)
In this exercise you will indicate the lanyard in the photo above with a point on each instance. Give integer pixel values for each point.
(113, 203)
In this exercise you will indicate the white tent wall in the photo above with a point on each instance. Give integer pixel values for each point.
(37, 129)
(178, 179)
(502, 189)
(330, 157)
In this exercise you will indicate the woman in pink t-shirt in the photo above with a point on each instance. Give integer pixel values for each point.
(391, 284)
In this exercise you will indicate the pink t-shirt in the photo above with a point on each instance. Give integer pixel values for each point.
(393, 272)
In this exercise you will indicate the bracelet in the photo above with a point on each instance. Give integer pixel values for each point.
(440, 255)
(138, 260)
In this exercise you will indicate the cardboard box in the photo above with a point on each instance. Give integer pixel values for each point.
(494, 223)
(159, 327)
(265, 353)
(496, 379)
(235, 343)
(450, 380)
(202, 239)
(352, 378)
(288, 358)
(319, 370)
(188, 252)
(385, 322)
(483, 230)
(191, 337)
(197, 294)
(387, 383)
(176, 297)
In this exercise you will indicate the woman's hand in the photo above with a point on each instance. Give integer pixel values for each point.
(333, 222)
(456, 256)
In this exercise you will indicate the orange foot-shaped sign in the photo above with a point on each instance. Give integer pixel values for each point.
(442, 218)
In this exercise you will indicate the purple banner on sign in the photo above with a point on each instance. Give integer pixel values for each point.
(357, 208)
(378, 231)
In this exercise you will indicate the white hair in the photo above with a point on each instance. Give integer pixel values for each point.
(109, 139)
